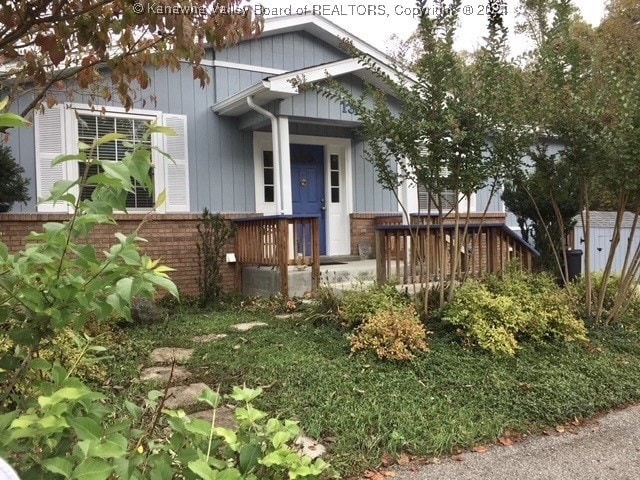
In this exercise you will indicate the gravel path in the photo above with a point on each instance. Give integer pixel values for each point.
(605, 449)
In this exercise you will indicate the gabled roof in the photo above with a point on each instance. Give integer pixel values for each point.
(278, 87)
(323, 29)
(607, 219)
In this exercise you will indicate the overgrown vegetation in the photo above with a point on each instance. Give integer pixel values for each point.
(631, 315)
(213, 234)
(351, 307)
(52, 423)
(501, 313)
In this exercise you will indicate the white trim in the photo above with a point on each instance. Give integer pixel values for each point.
(71, 138)
(110, 111)
(243, 66)
(286, 194)
(323, 29)
(282, 83)
(332, 145)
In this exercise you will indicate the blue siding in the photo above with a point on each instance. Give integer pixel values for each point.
(368, 195)
(482, 199)
(287, 51)
(311, 104)
(220, 156)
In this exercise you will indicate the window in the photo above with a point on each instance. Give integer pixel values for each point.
(448, 197)
(59, 129)
(269, 177)
(92, 126)
(334, 166)
(448, 200)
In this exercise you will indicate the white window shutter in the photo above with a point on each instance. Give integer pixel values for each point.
(176, 168)
(50, 143)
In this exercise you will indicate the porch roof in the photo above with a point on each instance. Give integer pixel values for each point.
(280, 87)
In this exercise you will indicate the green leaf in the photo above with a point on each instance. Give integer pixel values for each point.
(92, 469)
(133, 409)
(161, 471)
(162, 198)
(280, 438)
(40, 364)
(245, 394)
(86, 428)
(202, 469)
(165, 283)
(249, 458)
(113, 446)
(11, 120)
(163, 130)
(210, 397)
(110, 137)
(123, 289)
(230, 474)
(60, 188)
(58, 465)
(119, 171)
(7, 418)
(80, 157)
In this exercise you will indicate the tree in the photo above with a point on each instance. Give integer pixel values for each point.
(545, 198)
(451, 133)
(106, 46)
(13, 187)
(587, 85)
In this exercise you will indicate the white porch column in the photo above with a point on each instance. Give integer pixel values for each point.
(408, 194)
(286, 199)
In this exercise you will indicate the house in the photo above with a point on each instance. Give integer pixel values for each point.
(249, 143)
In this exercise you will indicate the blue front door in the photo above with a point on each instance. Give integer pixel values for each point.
(307, 186)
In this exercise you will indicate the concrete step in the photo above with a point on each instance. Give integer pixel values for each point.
(351, 272)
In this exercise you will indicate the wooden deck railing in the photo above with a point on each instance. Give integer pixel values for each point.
(280, 241)
(413, 253)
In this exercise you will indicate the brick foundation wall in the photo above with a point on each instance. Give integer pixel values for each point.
(171, 237)
(363, 228)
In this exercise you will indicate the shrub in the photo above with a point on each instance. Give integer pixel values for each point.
(393, 334)
(38, 440)
(61, 428)
(213, 234)
(631, 313)
(145, 311)
(359, 304)
(496, 316)
(13, 187)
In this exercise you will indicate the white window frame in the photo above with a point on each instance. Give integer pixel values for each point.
(71, 134)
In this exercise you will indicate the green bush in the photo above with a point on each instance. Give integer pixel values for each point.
(631, 315)
(393, 334)
(52, 425)
(146, 312)
(502, 312)
(214, 232)
(359, 304)
(151, 442)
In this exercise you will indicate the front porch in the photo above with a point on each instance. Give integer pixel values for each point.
(281, 254)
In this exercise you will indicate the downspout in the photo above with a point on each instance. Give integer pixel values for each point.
(275, 140)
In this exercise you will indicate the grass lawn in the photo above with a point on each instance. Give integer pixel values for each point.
(361, 408)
